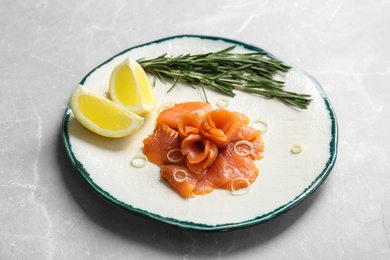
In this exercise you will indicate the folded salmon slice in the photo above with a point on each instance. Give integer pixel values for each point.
(171, 116)
(252, 135)
(186, 187)
(163, 140)
(258, 147)
(199, 151)
(220, 126)
(215, 176)
(190, 122)
(227, 167)
(239, 167)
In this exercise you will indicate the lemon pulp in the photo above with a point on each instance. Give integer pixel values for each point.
(126, 87)
(145, 87)
(130, 87)
(102, 115)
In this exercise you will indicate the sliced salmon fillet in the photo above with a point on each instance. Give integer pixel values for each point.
(171, 116)
(190, 122)
(220, 125)
(184, 188)
(254, 136)
(244, 132)
(258, 147)
(158, 144)
(227, 167)
(199, 151)
(215, 176)
(239, 167)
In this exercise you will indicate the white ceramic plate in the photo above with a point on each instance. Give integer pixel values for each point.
(285, 178)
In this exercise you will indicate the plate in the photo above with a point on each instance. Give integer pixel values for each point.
(285, 179)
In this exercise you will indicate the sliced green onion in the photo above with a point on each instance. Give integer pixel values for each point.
(177, 178)
(139, 160)
(171, 157)
(240, 192)
(223, 102)
(240, 150)
(260, 124)
(296, 148)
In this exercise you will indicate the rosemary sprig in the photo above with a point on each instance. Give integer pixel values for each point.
(226, 71)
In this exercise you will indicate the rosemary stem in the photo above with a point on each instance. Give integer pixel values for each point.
(226, 71)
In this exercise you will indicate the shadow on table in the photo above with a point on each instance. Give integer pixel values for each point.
(148, 233)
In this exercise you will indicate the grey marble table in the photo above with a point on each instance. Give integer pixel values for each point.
(49, 212)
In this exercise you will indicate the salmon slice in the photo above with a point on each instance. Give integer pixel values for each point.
(258, 147)
(160, 143)
(200, 152)
(227, 167)
(190, 122)
(215, 176)
(252, 135)
(220, 125)
(171, 116)
(184, 188)
(239, 167)
(244, 132)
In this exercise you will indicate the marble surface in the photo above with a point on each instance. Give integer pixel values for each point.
(49, 212)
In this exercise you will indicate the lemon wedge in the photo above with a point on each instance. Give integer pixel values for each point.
(130, 88)
(102, 115)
